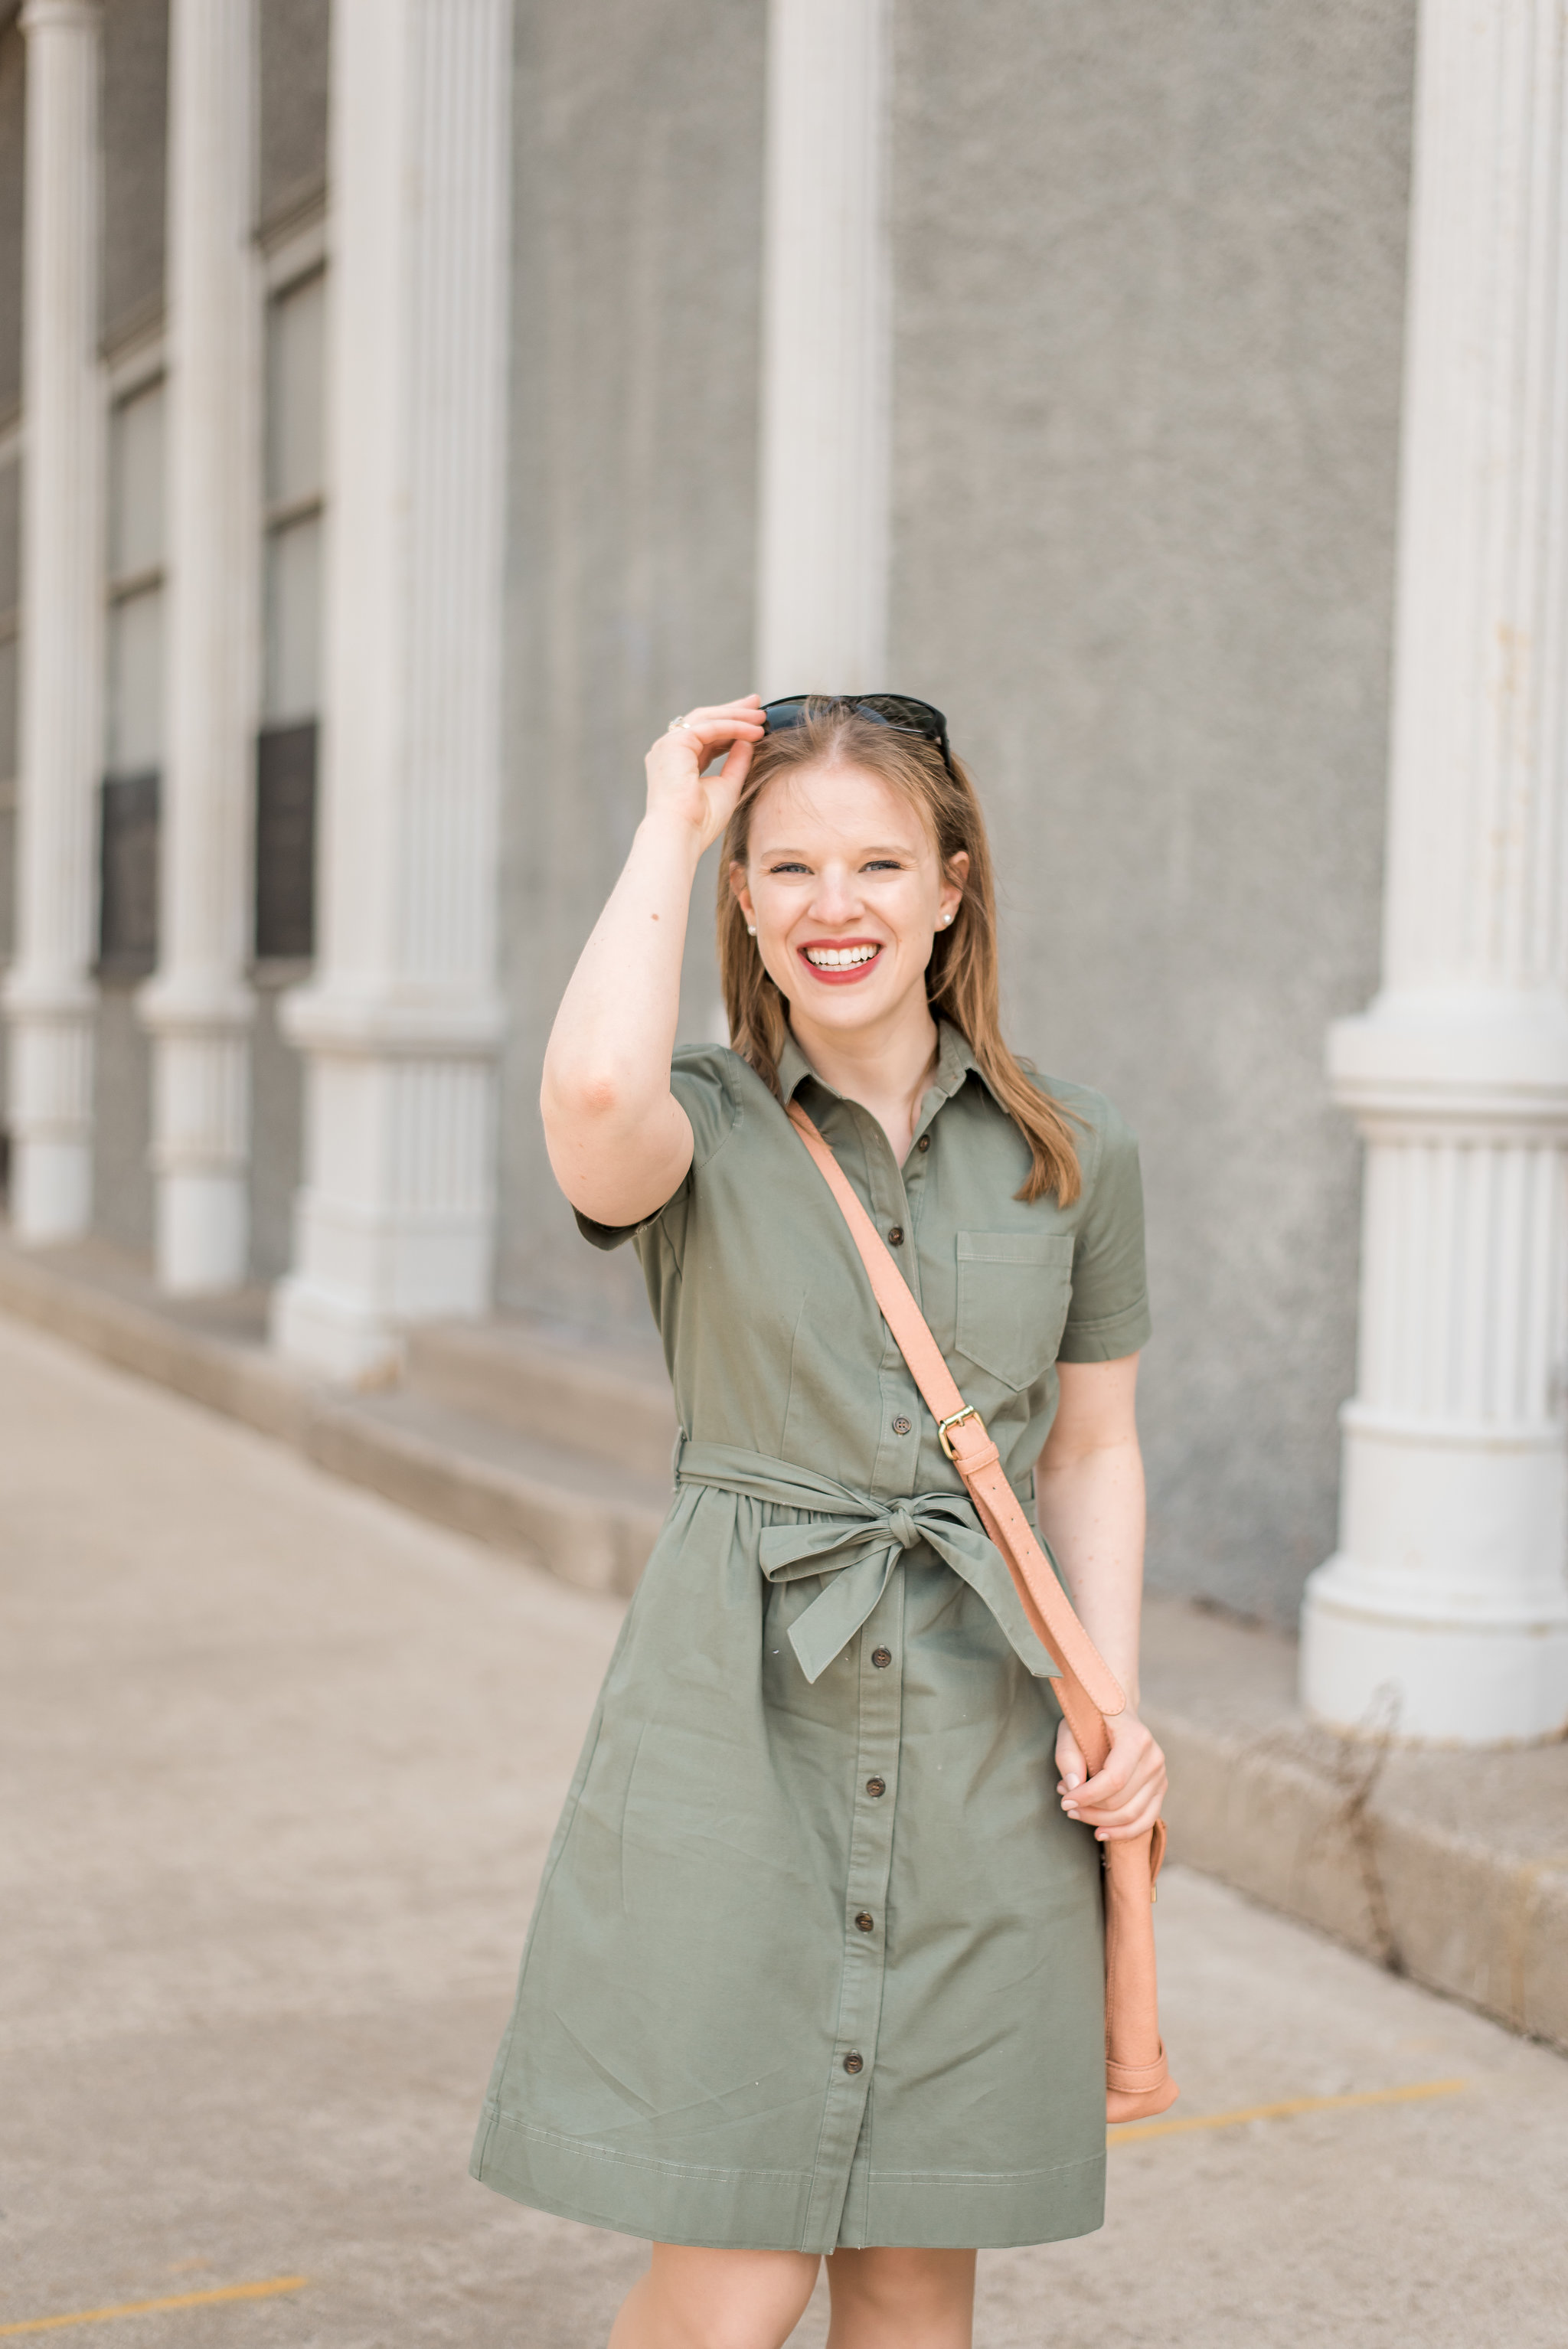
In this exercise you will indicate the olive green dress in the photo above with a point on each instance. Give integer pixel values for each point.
(817, 1957)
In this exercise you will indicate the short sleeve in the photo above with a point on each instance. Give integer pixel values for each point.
(1109, 1316)
(705, 1090)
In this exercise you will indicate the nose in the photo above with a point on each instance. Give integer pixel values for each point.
(836, 899)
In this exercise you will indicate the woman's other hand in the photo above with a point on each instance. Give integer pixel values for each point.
(677, 786)
(1123, 1799)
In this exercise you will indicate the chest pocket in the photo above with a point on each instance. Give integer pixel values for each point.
(1014, 1289)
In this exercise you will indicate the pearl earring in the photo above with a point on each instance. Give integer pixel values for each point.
(751, 929)
(946, 919)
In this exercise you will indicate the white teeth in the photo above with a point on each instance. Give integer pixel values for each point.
(840, 957)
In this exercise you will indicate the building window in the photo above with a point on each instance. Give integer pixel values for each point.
(127, 833)
(290, 696)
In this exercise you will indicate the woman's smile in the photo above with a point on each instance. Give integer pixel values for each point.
(840, 962)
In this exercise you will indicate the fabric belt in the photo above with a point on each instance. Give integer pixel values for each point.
(854, 1542)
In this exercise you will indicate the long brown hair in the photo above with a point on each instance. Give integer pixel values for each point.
(961, 982)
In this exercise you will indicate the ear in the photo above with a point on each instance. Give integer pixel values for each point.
(742, 894)
(952, 896)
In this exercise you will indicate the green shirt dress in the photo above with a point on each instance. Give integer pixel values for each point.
(817, 1957)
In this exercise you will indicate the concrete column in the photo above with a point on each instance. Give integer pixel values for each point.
(197, 1004)
(49, 995)
(825, 354)
(401, 1025)
(1446, 1607)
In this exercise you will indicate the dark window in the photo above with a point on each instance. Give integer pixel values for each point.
(127, 875)
(285, 842)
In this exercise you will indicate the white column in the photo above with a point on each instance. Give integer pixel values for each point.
(826, 351)
(197, 1004)
(50, 995)
(401, 1025)
(1447, 1602)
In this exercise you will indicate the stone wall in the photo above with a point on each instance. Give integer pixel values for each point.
(134, 105)
(1149, 265)
(632, 490)
(291, 143)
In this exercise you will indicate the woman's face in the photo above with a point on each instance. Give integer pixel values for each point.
(845, 886)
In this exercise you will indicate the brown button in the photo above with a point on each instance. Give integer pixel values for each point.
(924, 1142)
(854, 2063)
(877, 1786)
(865, 1922)
(901, 1426)
(896, 1236)
(882, 1657)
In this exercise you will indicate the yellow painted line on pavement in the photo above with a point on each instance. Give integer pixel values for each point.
(1131, 2132)
(267, 2290)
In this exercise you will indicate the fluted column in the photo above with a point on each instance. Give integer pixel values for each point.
(197, 1004)
(1446, 1608)
(826, 355)
(49, 996)
(401, 1025)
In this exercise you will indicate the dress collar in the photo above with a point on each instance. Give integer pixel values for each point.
(955, 1062)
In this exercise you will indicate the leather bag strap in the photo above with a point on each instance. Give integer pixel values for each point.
(1086, 1690)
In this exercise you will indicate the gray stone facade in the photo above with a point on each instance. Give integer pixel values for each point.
(638, 154)
(1149, 286)
(1150, 281)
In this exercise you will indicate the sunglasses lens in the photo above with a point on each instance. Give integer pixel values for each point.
(899, 710)
(914, 717)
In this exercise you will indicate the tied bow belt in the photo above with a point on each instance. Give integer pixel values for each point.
(856, 1542)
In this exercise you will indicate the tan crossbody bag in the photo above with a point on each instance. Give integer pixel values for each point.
(1138, 2082)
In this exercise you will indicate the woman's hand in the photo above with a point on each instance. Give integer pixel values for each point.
(677, 787)
(1123, 1800)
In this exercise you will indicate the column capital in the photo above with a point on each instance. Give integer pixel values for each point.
(1493, 1058)
(430, 1023)
(48, 15)
(186, 1003)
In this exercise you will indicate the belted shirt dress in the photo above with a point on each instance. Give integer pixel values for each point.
(817, 1957)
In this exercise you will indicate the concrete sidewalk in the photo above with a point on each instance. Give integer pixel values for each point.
(283, 1764)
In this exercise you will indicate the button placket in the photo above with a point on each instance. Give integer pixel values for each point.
(864, 1952)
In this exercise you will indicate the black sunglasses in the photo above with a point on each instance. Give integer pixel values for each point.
(901, 711)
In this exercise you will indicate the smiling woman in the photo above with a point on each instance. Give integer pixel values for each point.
(816, 1966)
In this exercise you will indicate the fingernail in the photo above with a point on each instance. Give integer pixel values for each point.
(1071, 1784)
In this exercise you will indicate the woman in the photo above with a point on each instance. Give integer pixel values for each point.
(817, 1964)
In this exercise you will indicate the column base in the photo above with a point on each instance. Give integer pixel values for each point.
(51, 1190)
(1376, 1655)
(331, 1334)
(203, 1233)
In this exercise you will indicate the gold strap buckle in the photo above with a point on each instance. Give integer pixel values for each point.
(956, 1420)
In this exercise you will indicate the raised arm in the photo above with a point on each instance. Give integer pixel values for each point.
(619, 1140)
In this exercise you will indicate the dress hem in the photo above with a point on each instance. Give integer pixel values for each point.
(652, 2202)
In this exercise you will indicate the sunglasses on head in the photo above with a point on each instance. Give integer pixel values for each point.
(899, 711)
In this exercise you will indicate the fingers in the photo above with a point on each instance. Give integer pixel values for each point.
(1122, 1799)
(725, 721)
